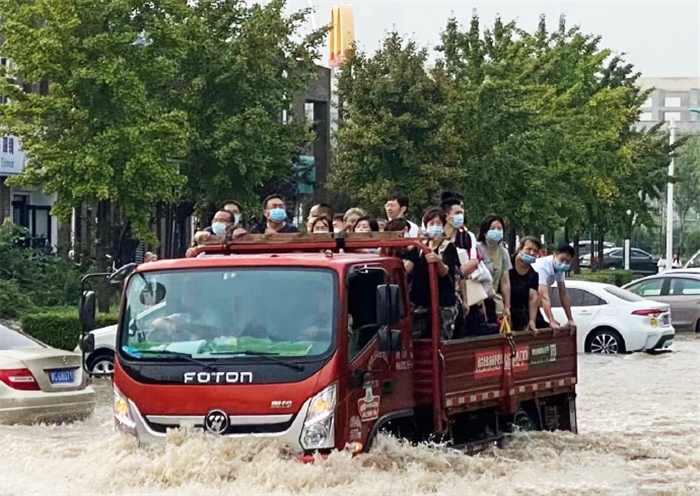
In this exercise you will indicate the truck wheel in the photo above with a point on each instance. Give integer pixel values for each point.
(525, 419)
(101, 363)
(605, 341)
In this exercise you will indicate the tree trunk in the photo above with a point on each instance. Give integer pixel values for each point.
(601, 246)
(576, 267)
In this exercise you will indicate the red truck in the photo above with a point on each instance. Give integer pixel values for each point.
(307, 339)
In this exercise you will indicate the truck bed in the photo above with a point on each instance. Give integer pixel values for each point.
(478, 372)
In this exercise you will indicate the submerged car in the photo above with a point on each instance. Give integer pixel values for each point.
(612, 320)
(39, 383)
(680, 289)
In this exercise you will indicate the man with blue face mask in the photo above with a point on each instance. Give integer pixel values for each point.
(552, 269)
(276, 217)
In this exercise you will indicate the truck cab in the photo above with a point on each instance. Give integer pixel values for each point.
(307, 340)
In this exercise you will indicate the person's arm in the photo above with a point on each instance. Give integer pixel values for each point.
(566, 303)
(469, 267)
(546, 303)
(440, 266)
(534, 308)
(505, 292)
(201, 236)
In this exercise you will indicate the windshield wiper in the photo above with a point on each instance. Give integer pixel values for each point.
(178, 354)
(262, 354)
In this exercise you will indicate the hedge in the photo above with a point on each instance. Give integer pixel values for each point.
(60, 328)
(616, 277)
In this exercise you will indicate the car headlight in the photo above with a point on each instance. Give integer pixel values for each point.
(122, 412)
(319, 425)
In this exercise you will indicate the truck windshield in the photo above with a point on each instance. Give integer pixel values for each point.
(215, 314)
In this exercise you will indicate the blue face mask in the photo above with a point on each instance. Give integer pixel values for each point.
(434, 231)
(278, 215)
(218, 227)
(457, 221)
(527, 258)
(561, 267)
(495, 235)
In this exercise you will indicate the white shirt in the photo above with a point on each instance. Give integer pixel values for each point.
(414, 231)
(545, 271)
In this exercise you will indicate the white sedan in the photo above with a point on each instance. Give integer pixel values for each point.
(612, 320)
(39, 383)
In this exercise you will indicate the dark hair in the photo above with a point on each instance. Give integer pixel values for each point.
(566, 248)
(396, 225)
(373, 225)
(433, 212)
(324, 209)
(231, 202)
(272, 197)
(339, 217)
(486, 225)
(230, 214)
(530, 239)
(448, 195)
(323, 218)
(447, 204)
(399, 198)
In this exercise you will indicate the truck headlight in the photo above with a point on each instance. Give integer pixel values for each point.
(319, 426)
(122, 412)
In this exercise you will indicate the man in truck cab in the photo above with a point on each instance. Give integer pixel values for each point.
(549, 270)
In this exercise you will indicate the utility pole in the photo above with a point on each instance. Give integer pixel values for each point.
(669, 203)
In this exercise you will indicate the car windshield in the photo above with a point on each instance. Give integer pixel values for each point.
(220, 314)
(12, 340)
(623, 294)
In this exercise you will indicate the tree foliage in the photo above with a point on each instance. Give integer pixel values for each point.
(538, 127)
(152, 102)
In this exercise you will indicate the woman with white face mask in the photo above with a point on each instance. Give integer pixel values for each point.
(524, 286)
(497, 261)
(443, 255)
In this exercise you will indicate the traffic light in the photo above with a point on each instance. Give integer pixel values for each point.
(342, 33)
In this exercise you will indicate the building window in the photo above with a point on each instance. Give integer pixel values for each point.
(646, 117)
(672, 116)
(648, 103)
(672, 101)
(309, 112)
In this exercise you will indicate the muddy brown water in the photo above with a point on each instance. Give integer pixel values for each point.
(639, 424)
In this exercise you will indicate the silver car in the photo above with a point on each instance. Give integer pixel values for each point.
(39, 383)
(680, 289)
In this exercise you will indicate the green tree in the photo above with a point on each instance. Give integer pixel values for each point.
(109, 123)
(391, 135)
(244, 65)
(687, 190)
(154, 102)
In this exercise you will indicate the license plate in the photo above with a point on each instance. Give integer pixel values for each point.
(62, 376)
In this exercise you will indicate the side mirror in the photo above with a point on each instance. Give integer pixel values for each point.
(87, 343)
(388, 304)
(120, 275)
(87, 311)
(388, 340)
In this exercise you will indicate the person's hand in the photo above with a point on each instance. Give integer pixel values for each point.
(201, 237)
(433, 258)
(506, 313)
(190, 253)
(556, 327)
(532, 327)
(239, 233)
(572, 327)
(269, 231)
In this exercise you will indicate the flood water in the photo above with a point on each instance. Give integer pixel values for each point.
(639, 424)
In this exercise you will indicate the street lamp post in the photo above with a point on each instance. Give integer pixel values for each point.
(669, 203)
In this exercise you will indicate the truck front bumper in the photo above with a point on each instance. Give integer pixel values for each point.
(147, 435)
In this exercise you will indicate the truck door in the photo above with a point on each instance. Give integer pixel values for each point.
(375, 388)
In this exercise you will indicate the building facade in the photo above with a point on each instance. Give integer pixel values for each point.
(671, 100)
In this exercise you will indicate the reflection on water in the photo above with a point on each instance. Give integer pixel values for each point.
(639, 423)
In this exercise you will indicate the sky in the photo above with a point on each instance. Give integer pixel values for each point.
(660, 37)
